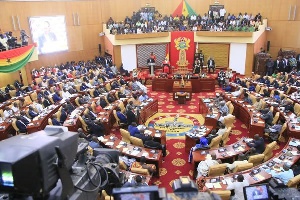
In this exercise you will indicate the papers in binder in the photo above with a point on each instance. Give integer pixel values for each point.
(109, 143)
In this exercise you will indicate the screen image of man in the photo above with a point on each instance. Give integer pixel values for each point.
(46, 40)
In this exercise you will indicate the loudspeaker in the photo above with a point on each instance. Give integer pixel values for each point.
(268, 46)
(99, 46)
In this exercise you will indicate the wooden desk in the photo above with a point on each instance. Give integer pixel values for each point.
(147, 111)
(177, 87)
(152, 157)
(246, 113)
(211, 115)
(198, 85)
(190, 141)
(231, 151)
(262, 176)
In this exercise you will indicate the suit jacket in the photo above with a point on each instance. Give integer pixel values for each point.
(70, 108)
(55, 122)
(96, 93)
(21, 126)
(122, 117)
(32, 114)
(24, 120)
(268, 117)
(258, 144)
(63, 116)
(103, 103)
(46, 103)
(56, 98)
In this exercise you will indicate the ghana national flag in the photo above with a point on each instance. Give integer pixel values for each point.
(183, 9)
(15, 59)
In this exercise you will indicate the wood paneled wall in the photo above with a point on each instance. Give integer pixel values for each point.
(83, 40)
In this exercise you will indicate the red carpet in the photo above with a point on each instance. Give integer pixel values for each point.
(175, 163)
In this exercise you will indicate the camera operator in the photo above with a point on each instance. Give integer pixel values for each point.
(11, 41)
(24, 38)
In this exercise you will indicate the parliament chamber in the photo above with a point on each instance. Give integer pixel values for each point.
(158, 77)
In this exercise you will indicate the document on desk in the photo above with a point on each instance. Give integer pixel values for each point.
(217, 185)
(259, 177)
(135, 152)
(209, 185)
(294, 143)
(109, 143)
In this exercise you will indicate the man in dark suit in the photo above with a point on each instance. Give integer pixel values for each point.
(56, 97)
(211, 64)
(55, 122)
(21, 125)
(103, 103)
(267, 115)
(97, 129)
(69, 106)
(96, 92)
(24, 118)
(32, 113)
(46, 102)
(19, 92)
(258, 143)
(64, 114)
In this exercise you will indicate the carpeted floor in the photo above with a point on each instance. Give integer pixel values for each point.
(175, 163)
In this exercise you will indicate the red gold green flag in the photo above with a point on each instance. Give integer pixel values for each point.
(183, 9)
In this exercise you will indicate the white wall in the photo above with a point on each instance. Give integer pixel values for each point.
(237, 57)
(128, 54)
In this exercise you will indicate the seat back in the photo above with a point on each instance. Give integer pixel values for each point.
(12, 93)
(228, 121)
(257, 88)
(136, 141)
(50, 121)
(122, 107)
(242, 167)
(283, 128)
(253, 98)
(231, 108)
(28, 100)
(77, 101)
(125, 135)
(294, 182)
(140, 171)
(217, 170)
(93, 106)
(33, 96)
(269, 150)
(224, 194)
(215, 142)
(107, 86)
(84, 125)
(297, 108)
(225, 136)
(256, 159)
(92, 92)
(14, 125)
(275, 118)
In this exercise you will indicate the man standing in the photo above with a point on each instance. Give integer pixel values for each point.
(270, 65)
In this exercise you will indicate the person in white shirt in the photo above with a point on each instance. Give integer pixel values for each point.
(238, 187)
(222, 13)
(241, 159)
(7, 112)
(222, 130)
(39, 106)
(44, 83)
(15, 107)
(65, 94)
(237, 92)
(204, 165)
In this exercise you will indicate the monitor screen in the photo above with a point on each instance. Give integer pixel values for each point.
(6, 175)
(49, 32)
(256, 192)
(136, 196)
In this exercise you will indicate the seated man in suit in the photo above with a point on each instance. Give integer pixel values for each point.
(137, 181)
(24, 118)
(211, 65)
(97, 128)
(142, 165)
(110, 98)
(64, 114)
(19, 92)
(21, 125)
(121, 116)
(267, 115)
(258, 143)
(69, 106)
(31, 112)
(56, 97)
(91, 114)
(46, 102)
(103, 103)
(132, 129)
(55, 121)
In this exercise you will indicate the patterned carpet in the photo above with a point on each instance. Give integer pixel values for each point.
(175, 163)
